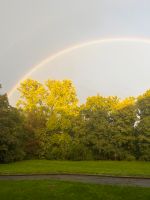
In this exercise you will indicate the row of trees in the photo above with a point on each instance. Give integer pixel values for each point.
(49, 123)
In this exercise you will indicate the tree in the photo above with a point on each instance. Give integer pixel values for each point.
(11, 134)
(143, 105)
(143, 126)
(61, 96)
(95, 126)
(48, 109)
(123, 128)
(61, 100)
(31, 103)
(103, 128)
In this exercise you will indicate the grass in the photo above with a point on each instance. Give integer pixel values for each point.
(60, 190)
(118, 168)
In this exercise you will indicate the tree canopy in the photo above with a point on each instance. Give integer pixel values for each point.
(50, 123)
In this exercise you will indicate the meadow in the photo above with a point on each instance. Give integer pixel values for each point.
(117, 168)
(58, 190)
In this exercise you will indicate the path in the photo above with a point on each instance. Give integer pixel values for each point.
(98, 179)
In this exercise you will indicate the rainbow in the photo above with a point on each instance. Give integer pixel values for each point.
(73, 48)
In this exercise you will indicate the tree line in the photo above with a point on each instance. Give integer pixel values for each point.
(49, 123)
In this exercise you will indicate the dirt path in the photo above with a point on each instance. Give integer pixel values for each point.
(98, 179)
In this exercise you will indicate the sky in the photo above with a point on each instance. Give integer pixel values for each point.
(32, 30)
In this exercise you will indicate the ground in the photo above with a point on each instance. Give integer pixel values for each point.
(69, 190)
(117, 168)
(60, 190)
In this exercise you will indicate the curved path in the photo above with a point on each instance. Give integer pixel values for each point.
(98, 179)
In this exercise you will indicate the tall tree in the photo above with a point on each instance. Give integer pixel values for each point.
(95, 115)
(143, 104)
(123, 122)
(143, 125)
(11, 132)
(49, 109)
(31, 103)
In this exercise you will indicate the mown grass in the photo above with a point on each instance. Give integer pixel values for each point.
(118, 168)
(60, 190)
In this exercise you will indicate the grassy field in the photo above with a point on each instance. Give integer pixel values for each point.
(123, 168)
(58, 190)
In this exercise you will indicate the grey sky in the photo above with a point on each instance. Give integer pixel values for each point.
(30, 30)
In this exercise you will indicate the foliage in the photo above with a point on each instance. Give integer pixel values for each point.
(11, 132)
(54, 126)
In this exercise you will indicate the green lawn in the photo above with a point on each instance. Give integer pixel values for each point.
(60, 190)
(124, 168)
